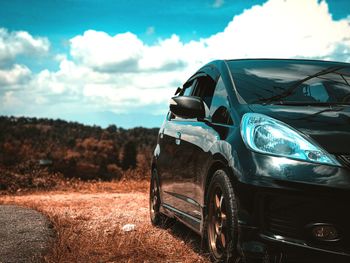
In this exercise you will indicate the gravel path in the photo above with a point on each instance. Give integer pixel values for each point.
(25, 234)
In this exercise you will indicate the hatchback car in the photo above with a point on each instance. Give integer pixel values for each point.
(254, 155)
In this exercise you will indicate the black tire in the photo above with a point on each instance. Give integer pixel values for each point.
(157, 218)
(221, 232)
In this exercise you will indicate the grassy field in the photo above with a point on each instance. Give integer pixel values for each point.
(89, 216)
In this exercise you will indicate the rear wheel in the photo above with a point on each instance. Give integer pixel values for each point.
(221, 229)
(157, 218)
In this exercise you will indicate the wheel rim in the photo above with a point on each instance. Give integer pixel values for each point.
(217, 228)
(154, 193)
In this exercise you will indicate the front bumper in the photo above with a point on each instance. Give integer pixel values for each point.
(279, 199)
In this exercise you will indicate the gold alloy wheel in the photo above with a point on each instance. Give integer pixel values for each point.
(217, 228)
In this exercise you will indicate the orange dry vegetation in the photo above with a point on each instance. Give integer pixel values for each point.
(89, 218)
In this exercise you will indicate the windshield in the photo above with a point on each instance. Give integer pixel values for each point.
(291, 81)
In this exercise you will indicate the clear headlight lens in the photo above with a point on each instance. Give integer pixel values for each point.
(267, 135)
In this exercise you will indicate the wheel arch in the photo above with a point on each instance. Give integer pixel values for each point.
(219, 163)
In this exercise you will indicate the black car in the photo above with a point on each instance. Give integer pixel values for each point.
(254, 155)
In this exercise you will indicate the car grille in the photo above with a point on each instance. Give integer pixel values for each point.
(345, 159)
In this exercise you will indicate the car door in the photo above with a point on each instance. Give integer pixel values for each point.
(200, 139)
(171, 155)
(193, 142)
(188, 137)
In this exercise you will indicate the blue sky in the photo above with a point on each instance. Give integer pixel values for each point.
(104, 62)
(61, 20)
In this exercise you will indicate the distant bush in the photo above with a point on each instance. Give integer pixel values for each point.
(28, 176)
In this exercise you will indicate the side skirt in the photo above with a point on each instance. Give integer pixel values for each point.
(188, 220)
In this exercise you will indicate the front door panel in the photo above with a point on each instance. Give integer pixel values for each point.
(192, 155)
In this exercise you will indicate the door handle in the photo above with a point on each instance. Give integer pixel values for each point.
(178, 138)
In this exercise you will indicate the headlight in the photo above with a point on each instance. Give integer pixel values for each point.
(266, 135)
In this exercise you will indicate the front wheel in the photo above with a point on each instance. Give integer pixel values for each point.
(221, 229)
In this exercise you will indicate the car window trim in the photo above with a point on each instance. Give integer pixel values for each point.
(195, 76)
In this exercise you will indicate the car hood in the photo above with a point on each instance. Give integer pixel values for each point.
(330, 128)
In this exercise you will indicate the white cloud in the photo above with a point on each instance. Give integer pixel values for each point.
(102, 52)
(119, 92)
(165, 55)
(126, 52)
(18, 74)
(122, 73)
(17, 43)
(291, 28)
(10, 103)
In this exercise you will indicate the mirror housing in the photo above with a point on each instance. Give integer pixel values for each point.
(187, 107)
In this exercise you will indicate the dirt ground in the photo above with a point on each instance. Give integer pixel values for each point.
(89, 223)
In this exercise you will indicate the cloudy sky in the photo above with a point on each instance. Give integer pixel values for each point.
(103, 62)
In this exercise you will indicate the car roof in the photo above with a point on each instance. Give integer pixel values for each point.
(287, 60)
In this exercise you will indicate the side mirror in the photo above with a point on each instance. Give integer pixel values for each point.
(187, 107)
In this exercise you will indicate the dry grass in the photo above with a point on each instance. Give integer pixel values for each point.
(88, 218)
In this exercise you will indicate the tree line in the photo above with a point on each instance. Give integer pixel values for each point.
(74, 149)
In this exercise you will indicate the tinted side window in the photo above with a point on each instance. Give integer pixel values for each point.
(205, 89)
(219, 110)
(202, 87)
